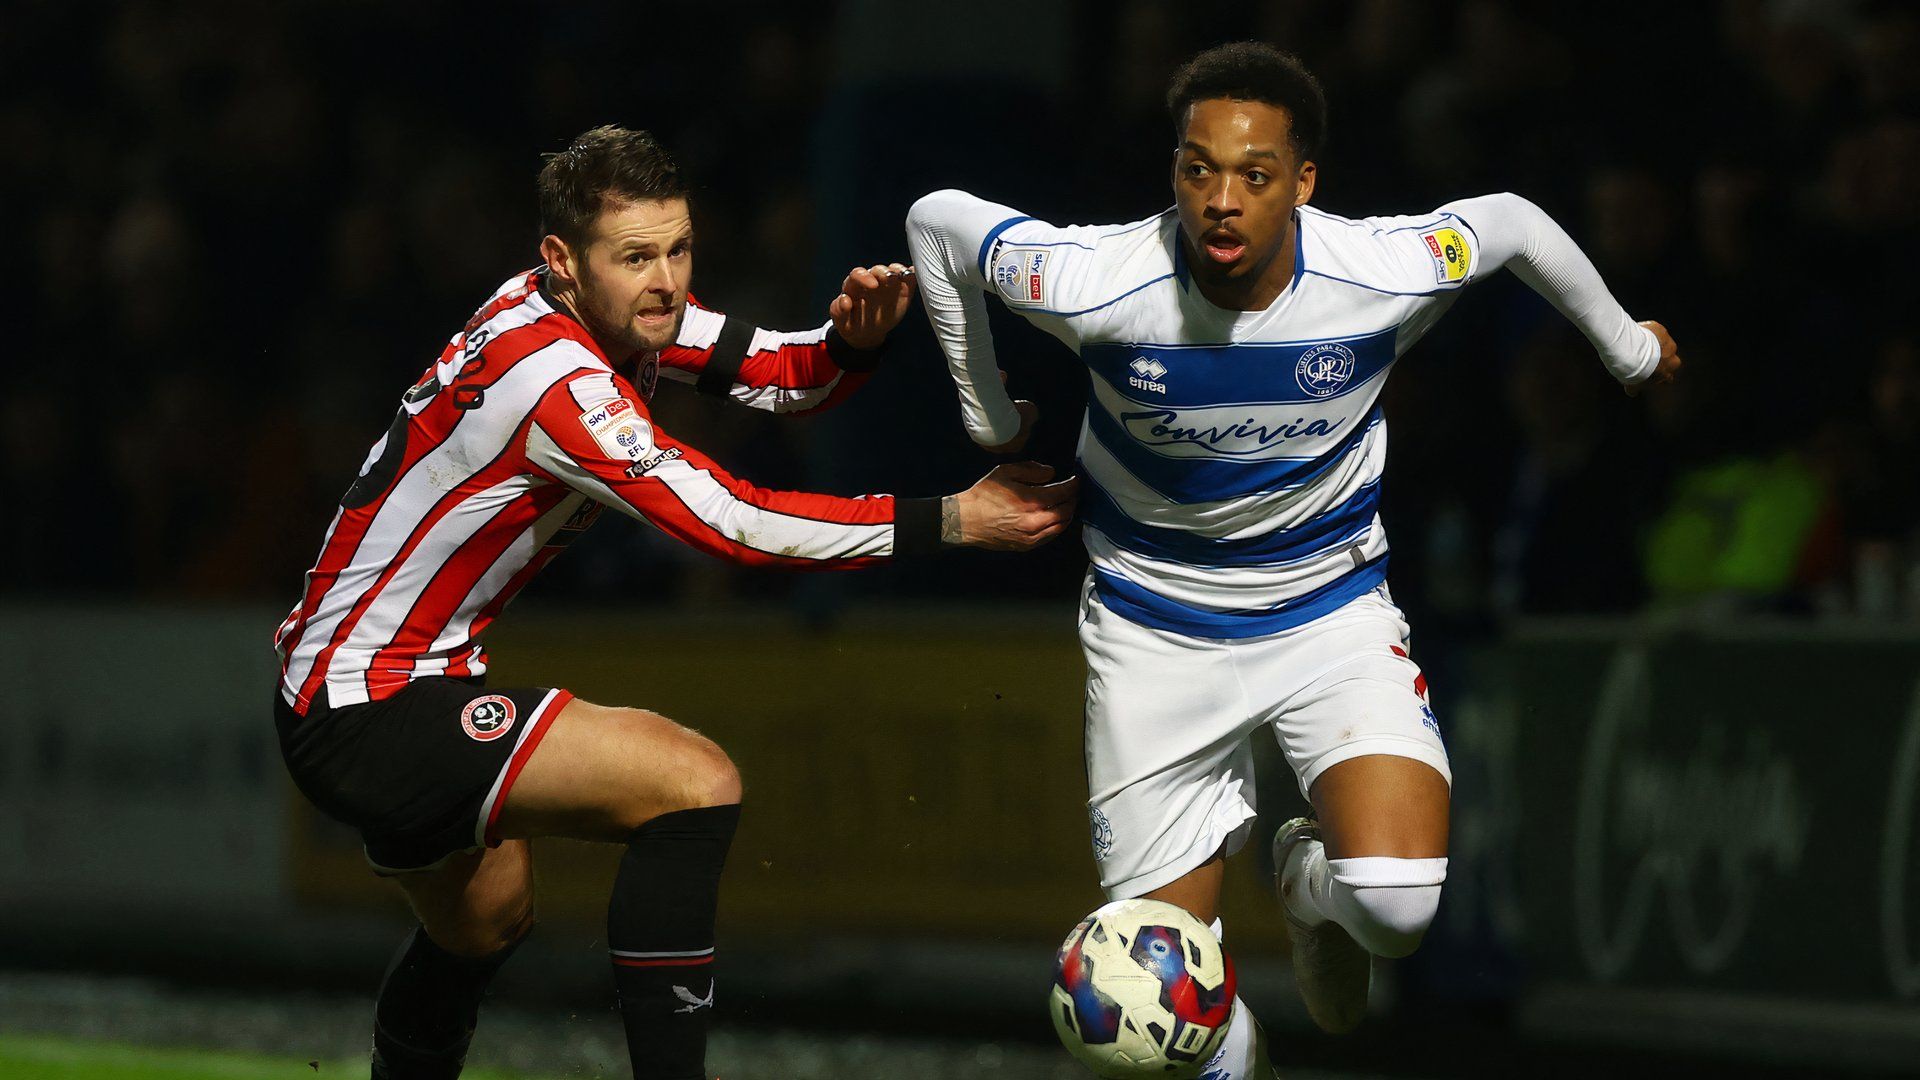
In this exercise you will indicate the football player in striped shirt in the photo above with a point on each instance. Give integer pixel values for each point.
(1233, 444)
(535, 418)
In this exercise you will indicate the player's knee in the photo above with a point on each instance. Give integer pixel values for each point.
(689, 772)
(1390, 902)
(715, 780)
(490, 933)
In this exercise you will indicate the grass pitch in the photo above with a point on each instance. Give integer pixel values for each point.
(33, 1057)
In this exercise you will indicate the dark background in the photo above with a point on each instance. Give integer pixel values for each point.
(243, 229)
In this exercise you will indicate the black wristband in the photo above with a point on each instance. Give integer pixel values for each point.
(848, 358)
(916, 527)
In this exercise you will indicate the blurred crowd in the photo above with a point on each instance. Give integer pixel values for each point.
(248, 228)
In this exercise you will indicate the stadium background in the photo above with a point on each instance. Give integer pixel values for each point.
(1674, 642)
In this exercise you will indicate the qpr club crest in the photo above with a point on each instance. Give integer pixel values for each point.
(487, 718)
(1102, 833)
(1324, 370)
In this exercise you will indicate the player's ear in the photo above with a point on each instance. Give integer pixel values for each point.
(558, 256)
(1304, 191)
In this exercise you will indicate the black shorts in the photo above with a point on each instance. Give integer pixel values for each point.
(422, 774)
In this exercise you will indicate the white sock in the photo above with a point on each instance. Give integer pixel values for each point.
(1385, 903)
(1237, 1057)
(1304, 880)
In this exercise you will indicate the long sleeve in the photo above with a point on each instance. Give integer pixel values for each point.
(593, 434)
(778, 371)
(948, 232)
(1515, 233)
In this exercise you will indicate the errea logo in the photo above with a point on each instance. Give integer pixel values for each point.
(1147, 373)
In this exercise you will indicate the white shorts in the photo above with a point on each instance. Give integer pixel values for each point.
(1169, 721)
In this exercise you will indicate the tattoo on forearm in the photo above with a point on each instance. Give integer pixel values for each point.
(950, 521)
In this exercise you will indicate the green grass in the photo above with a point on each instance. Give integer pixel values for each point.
(41, 1058)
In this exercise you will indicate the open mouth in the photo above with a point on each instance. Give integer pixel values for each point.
(655, 317)
(1223, 246)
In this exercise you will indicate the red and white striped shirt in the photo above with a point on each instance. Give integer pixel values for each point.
(508, 448)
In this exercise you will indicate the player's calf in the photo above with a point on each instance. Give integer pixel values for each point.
(672, 797)
(660, 937)
(474, 910)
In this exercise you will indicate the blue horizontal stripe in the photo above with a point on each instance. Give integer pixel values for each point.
(1192, 480)
(1135, 604)
(1320, 533)
(1135, 347)
(987, 244)
(1242, 373)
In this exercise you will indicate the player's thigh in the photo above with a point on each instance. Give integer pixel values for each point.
(475, 903)
(602, 772)
(1382, 805)
(1169, 767)
(1363, 742)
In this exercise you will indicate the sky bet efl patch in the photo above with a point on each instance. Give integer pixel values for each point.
(1021, 275)
(620, 431)
(1451, 256)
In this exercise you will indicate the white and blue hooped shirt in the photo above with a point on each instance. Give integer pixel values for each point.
(1233, 459)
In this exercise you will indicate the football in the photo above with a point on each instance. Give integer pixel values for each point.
(1142, 988)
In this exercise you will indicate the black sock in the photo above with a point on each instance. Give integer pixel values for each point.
(660, 932)
(428, 1005)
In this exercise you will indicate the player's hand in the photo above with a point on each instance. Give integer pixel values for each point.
(1029, 416)
(1012, 508)
(871, 303)
(1669, 367)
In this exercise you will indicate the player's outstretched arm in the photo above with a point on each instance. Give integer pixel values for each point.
(793, 371)
(593, 435)
(1515, 233)
(947, 232)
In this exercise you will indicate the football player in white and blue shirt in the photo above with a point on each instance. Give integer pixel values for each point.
(1232, 450)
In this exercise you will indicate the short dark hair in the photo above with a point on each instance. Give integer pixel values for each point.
(607, 163)
(1255, 71)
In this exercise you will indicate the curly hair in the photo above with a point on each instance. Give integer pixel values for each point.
(1255, 71)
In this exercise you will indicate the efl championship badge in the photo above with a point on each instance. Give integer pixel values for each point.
(619, 429)
(1324, 370)
(1021, 276)
(1451, 256)
(487, 718)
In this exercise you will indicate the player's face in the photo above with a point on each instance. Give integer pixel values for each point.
(1236, 182)
(633, 275)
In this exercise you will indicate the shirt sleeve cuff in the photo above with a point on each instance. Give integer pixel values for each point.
(916, 527)
(848, 358)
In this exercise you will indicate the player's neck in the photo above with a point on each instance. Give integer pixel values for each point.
(1257, 291)
(567, 301)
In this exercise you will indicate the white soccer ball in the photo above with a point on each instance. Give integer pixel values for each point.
(1142, 988)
